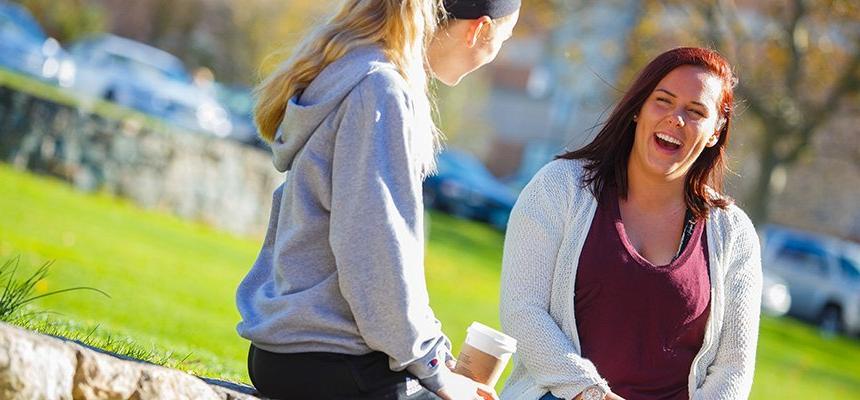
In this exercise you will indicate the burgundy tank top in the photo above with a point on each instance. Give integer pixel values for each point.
(640, 324)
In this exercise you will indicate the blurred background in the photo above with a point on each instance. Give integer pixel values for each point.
(129, 159)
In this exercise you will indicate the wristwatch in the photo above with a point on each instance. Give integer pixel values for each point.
(593, 392)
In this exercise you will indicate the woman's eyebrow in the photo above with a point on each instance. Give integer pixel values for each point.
(666, 91)
(698, 103)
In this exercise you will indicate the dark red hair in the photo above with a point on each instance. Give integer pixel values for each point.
(607, 156)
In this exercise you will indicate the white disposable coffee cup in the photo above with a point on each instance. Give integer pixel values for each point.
(484, 354)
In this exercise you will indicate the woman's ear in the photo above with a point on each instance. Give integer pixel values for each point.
(477, 27)
(712, 141)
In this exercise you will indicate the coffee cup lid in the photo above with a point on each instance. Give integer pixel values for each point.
(503, 342)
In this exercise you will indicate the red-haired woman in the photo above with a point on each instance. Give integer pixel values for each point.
(625, 266)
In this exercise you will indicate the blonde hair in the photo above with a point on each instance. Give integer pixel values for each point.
(403, 28)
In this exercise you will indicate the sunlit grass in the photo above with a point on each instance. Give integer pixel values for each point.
(172, 284)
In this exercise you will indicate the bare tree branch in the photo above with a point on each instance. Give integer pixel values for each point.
(735, 31)
(796, 55)
(711, 11)
(847, 84)
(769, 117)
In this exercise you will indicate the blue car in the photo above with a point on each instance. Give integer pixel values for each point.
(25, 48)
(465, 188)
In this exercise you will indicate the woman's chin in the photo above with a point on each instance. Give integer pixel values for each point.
(666, 170)
(450, 80)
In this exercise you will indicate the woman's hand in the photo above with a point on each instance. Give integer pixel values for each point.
(609, 396)
(459, 387)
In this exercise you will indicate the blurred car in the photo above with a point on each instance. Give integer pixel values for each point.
(775, 297)
(465, 188)
(147, 79)
(25, 48)
(239, 103)
(822, 274)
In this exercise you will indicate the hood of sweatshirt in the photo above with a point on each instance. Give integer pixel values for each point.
(306, 111)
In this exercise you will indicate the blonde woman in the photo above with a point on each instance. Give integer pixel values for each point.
(336, 304)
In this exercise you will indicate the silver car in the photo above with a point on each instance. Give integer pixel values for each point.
(147, 79)
(822, 274)
(775, 298)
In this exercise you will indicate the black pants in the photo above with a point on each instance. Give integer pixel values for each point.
(331, 376)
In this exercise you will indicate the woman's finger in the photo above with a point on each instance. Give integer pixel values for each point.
(486, 392)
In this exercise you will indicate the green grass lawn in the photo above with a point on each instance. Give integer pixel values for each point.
(172, 282)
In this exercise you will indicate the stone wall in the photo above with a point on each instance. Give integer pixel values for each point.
(37, 367)
(217, 181)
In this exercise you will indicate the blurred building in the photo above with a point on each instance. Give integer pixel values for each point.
(821, 193)
(549, 91)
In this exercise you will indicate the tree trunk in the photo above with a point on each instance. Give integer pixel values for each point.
(759, 198)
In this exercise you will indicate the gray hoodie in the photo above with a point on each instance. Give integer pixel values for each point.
(342, 265)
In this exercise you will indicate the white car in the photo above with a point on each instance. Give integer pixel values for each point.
(775, 297)
(147, 79)
(822, 274)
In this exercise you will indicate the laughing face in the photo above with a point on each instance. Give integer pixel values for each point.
(678, 120)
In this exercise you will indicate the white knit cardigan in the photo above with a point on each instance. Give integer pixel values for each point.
(546, 232)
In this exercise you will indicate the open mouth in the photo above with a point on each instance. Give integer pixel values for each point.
(667, 142)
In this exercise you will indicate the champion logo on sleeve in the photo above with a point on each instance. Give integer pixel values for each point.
(433, 363)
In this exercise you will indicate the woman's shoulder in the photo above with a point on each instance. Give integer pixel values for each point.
(362, 73)
(733, 218)
(560, 179)
(383, 81)
(562, 171)
(735, 227)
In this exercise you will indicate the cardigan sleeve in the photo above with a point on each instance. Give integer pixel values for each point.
(730, 376)
(535, 232)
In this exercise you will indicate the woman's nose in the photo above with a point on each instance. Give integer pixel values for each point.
(677, 120)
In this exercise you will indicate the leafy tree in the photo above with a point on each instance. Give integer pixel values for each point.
(67, 20)
(798, 62)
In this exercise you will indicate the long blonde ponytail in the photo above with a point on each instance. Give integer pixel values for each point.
(403, 28)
